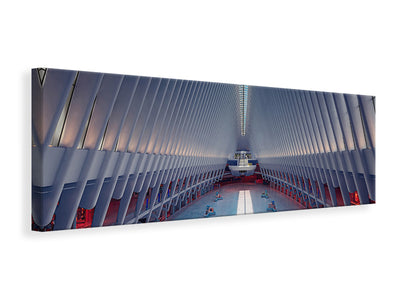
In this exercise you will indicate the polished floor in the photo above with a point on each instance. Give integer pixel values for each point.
(238, 198)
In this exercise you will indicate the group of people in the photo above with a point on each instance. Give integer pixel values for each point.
(218, 196)
(265, 195)
(271, 205)
(209, 211)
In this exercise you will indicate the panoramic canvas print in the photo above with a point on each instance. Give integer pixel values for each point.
(111, 149)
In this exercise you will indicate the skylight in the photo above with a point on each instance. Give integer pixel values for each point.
(243, 107)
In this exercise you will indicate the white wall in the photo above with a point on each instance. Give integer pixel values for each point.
(339, 253)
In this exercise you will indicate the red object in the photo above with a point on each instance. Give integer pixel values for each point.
(354, 199)
(339, 197)
(132, 203)
(112, 212)
(84, 217)
(251, 178)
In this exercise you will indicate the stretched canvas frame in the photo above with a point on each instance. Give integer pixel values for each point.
(111, 149)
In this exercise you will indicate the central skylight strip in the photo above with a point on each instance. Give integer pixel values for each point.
(240, 206)
(243, 94)
(249, 202)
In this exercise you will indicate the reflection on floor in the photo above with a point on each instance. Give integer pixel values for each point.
(238, 198)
